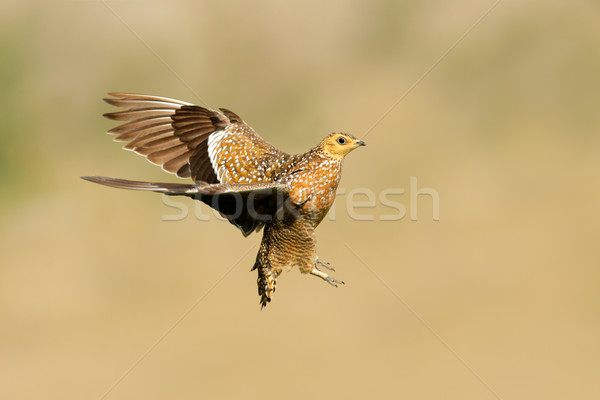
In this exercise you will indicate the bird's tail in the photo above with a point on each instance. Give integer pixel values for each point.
(166, 188)
(266, 282)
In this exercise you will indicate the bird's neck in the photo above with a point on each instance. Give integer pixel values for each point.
(321, 151)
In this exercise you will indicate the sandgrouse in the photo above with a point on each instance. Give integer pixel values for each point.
(235, 171)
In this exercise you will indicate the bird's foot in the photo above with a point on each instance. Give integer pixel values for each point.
(325, 277)
(324, 264)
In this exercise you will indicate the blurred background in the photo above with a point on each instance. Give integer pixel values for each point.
(498, 299)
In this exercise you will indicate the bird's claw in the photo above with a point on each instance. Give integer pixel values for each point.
(323, 263)
(333, 281)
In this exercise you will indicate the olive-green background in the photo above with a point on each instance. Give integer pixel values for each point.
(500, 295)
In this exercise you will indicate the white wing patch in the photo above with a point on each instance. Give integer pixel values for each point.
(214, 140)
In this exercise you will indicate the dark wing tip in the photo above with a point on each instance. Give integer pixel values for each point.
(114, 96)
(109, 115)
(233, 117)
(121, 95)
(115, 99)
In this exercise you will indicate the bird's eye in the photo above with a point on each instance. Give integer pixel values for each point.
(341, 140)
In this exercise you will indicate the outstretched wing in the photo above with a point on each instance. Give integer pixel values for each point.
(247, 206)
(192, 141)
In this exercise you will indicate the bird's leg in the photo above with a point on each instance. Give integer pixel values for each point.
(332, 281)
(323, 263)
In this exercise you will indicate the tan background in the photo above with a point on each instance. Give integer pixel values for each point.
(505, 128)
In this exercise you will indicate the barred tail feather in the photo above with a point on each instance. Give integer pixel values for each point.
(167, 188)
(266, 282)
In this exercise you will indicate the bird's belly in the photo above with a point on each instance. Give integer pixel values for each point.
(290, 245)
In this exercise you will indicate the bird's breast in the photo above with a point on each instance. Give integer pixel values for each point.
(314, 186)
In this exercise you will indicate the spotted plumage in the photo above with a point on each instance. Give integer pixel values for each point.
(235, 171)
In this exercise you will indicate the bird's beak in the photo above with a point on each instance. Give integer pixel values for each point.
(361, 143)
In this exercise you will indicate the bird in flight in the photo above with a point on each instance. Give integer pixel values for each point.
(235, 171)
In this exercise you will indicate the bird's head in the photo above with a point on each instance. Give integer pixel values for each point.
(337, 145)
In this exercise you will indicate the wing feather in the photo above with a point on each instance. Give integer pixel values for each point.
(193, 141)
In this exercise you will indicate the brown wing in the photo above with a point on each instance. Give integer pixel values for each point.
(192, 141)
(247, 206)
